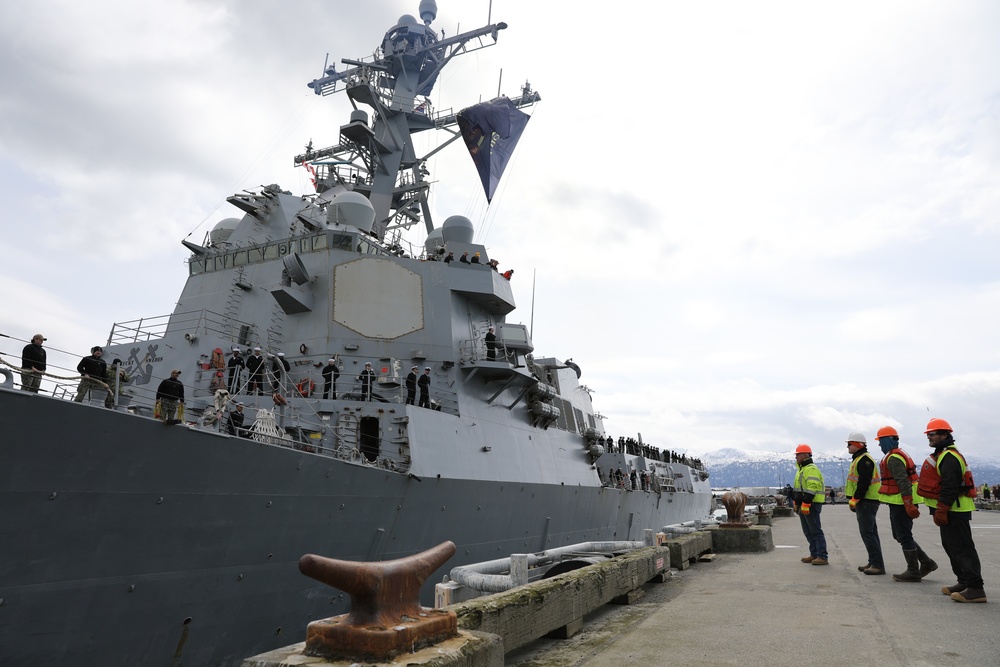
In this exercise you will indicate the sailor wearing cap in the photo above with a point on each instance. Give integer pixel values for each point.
(92, 371)
(234, 422)
(169, 394)
(425, 387)
(33, 364)
(367, 378)
(236, 365)
(255, 367)
(411, 386)
(330, 375)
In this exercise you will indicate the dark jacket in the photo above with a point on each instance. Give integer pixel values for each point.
(171, 389)
(235, 422)
(411, 381)
(424, 383)
(93, 366)
(33, 357)
(255, 365)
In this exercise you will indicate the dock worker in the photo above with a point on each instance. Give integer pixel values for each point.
(425, 388)
(946, 480)
(808, 490)
(861, 490)
(899, 491)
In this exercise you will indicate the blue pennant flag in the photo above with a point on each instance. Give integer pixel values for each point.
(491, 131)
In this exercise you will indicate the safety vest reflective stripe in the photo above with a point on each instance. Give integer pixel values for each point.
(930, 479)
(852, 479)
(810, 480)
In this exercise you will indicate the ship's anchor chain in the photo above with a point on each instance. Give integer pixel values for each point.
(386, 618)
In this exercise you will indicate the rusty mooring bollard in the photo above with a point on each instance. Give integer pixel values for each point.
(735, 502)
(386, 618)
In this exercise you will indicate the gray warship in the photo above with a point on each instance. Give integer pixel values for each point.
(130, 540)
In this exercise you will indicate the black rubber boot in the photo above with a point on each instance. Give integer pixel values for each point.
(926, 564)
(912, 568)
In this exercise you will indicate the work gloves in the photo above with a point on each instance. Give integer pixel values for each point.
(853, 504)
(912, 510)
(941, 515)
(806, 506)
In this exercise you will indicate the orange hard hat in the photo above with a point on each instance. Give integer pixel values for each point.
(803, 449)
(886, 430)
(937, 425)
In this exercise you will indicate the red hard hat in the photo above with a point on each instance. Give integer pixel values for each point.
(803, 449)
(937, 425)
(886, 430)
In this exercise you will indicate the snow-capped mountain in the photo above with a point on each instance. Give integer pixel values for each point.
(735, 467)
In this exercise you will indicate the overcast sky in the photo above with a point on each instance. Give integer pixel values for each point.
(753, 224)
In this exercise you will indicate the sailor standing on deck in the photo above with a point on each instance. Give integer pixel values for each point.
(411, 386)
(861, 490)
(236, 366)
(33, 364)
(330, 374)
(367, 378)
(255, 365)
(93, 370)
(808, 489)
(425, 387)
(169, 394)
(491, 345)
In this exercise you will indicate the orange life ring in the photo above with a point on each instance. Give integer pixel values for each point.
(306, 387)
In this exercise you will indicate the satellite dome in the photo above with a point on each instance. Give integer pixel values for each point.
(457, 228)
(406, 19)
(223, 230)
(351, 208)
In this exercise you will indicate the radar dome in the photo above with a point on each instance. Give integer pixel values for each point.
(406, 19)
(223, 230)
(428, 11)
(457, 228)
(351, 208)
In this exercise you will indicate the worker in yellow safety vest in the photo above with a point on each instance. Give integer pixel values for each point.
(808, 494)
(899, 492)
(861, 490)
(946, 480)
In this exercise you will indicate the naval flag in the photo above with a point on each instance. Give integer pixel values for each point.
(491, 130)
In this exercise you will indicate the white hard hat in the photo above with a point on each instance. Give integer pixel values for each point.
(856, 437)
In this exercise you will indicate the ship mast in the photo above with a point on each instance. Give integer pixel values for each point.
(377, 158)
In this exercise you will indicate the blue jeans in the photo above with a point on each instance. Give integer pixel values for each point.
(814, 531)
(902, 527)
(865, 511)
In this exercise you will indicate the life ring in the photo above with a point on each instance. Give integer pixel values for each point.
(306, 387)
(278, 399)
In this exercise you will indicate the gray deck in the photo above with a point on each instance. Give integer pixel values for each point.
(771, 609)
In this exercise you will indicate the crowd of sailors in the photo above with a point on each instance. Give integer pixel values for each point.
(631, 446)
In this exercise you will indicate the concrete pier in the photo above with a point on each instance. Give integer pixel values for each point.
(771, 609)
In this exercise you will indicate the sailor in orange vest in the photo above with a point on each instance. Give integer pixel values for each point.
(861, 490)
(946, 484)
(899, 492)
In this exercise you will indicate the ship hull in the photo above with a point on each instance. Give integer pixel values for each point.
(130, 541)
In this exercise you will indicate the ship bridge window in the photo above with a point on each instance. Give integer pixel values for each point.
(240, 258)
(318, 243)
(196, 266)
(342, 241)
(271, 252)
